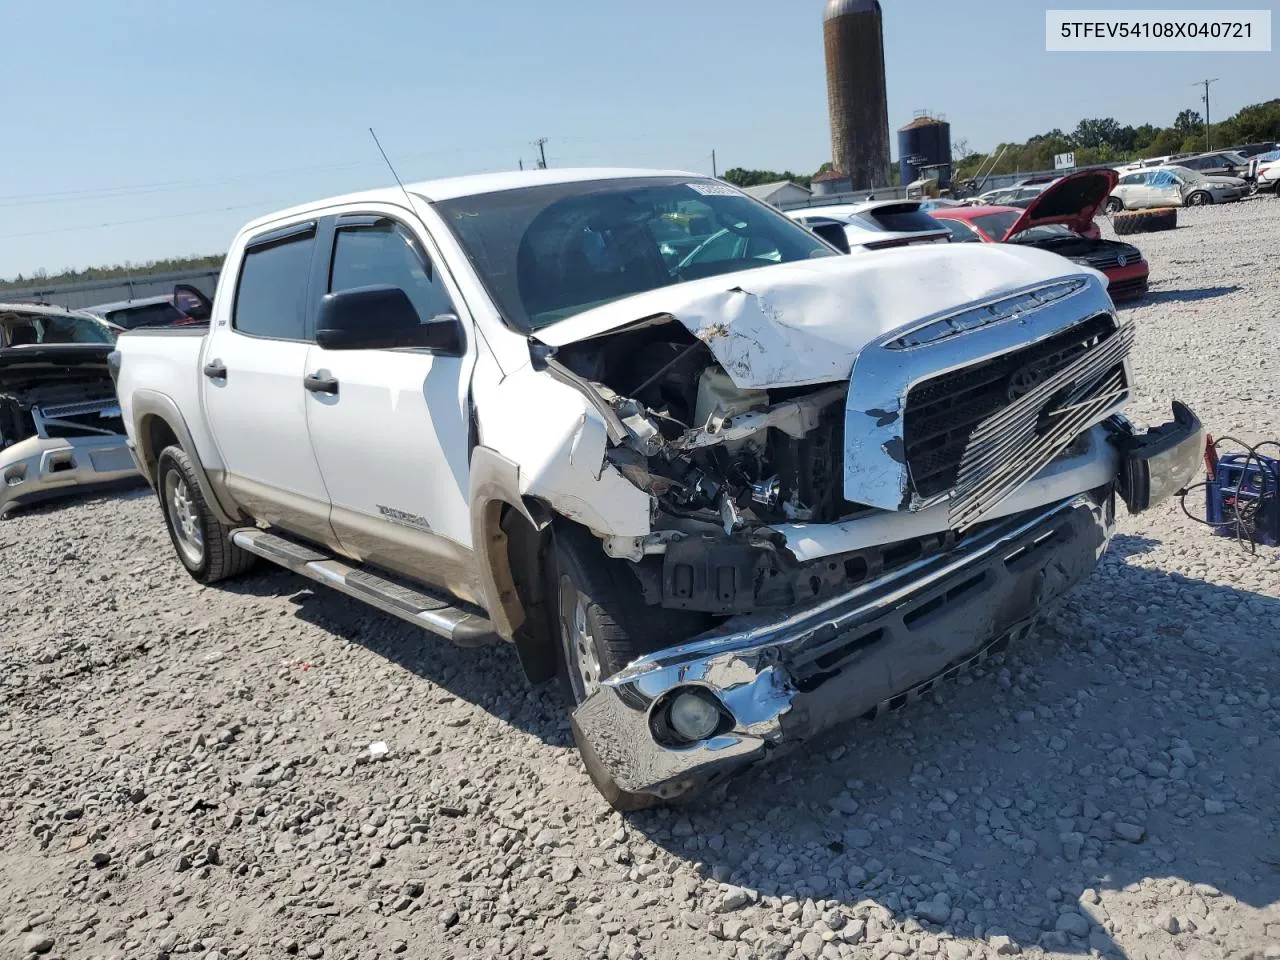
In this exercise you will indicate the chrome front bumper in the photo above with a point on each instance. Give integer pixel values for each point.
(783, 679)
(40, 467)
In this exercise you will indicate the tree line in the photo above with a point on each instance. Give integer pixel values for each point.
(1094, 140)
(119, 271)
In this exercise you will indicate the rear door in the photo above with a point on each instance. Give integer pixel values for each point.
(393, 437)
(253, 369)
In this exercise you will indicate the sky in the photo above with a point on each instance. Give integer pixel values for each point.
(146, 129)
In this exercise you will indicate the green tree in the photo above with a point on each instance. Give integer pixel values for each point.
(1188, 122)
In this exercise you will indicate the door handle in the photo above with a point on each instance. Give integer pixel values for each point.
(215, 370)
(318, 384)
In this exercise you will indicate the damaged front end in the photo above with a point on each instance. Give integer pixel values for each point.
(853, 541)
(60, 422)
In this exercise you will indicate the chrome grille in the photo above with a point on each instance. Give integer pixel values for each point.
(966, 433)
(1009, 448)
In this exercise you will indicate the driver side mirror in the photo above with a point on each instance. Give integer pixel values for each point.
(383, 318)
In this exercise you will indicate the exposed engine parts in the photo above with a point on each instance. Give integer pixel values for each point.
(707, 450)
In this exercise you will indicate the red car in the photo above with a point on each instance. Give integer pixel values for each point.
(1059, 220)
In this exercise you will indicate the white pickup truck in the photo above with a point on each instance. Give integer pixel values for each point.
(733, 486)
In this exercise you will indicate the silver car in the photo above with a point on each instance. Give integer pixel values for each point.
(1173, 186)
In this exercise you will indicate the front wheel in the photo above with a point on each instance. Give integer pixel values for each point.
(1114, 205)
(1199, 199)
(603, 624)
(202, 543)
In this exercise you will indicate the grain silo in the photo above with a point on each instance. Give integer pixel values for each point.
(854, 44)
(924, 150)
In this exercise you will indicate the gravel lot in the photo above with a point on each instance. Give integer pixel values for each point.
(187, 771)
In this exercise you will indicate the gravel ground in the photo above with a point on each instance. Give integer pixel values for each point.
(189, 771)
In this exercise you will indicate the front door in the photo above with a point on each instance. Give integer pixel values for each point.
(255, 400)
(391, 434)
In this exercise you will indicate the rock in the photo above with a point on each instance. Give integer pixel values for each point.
(844, 803)
(734, 928)
(735, 898)
(934, 911)
(811, 946)
(100, 859)
(37, 943)
(1214, 806)
(1167, 922)
(956, 950)
(564, 871)
(856, 876)
(1128, 831)
(857, 837)
(314, 951)
(1073, 924)
(1003, 946)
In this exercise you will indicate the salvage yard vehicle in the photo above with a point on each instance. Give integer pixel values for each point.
(60, 426)
(878, 225)
(1059, 220)
(735, 499)
(1173, 187)
(142, 312)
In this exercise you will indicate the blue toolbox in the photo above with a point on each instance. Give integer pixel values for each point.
(1242, 496)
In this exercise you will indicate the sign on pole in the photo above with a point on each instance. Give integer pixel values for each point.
(1063, 161)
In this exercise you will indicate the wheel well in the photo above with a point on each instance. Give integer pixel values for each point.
(517, 543)
(158, 435)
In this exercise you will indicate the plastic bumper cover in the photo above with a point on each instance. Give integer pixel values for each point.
(38, 467)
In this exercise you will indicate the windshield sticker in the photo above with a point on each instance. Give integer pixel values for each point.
(709, 188)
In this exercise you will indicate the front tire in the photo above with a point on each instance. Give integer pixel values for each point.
(202, 543)
(1114, 205)
(602, 624)
(1199, 199)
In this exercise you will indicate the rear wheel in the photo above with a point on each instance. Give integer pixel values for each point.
(202, 543)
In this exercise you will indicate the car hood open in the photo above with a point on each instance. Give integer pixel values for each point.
(1072, 201)
(803, 323)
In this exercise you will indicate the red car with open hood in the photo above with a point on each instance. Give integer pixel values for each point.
(1059, 220)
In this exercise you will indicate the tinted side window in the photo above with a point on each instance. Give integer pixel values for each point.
(961, 232)
(833, 233)
(272, 295)
(152, 315)
(386, 254)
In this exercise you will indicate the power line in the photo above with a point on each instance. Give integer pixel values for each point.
(262, 205)
(1208, 137)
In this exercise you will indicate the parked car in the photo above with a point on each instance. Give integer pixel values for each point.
(60, 426)
(878, 225)
(1057, 221)
(1264, 170)
(1173, 187)
(491, 407)
(1222, 163)
(1150, 162)
(1251, 150)
(161, 311)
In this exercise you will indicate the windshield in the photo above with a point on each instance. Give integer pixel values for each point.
(1186, 175)
(547, 253)
(996, 225)
(20, 330)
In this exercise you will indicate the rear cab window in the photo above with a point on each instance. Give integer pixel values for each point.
(271, 295)
(151, 315)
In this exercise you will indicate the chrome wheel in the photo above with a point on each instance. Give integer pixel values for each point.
(184, 518)
(580, 646)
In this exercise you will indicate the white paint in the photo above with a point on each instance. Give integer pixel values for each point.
(558, 440)
(794, 324)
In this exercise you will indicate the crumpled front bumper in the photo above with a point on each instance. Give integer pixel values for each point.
(783, 679)
(40, 467)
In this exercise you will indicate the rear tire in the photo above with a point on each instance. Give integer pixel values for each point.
(202, 543)
(1144, 221)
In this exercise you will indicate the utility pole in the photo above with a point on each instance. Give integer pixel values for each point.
(714, 173)
(522, 163)
(1208, 139)
(541, 144)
